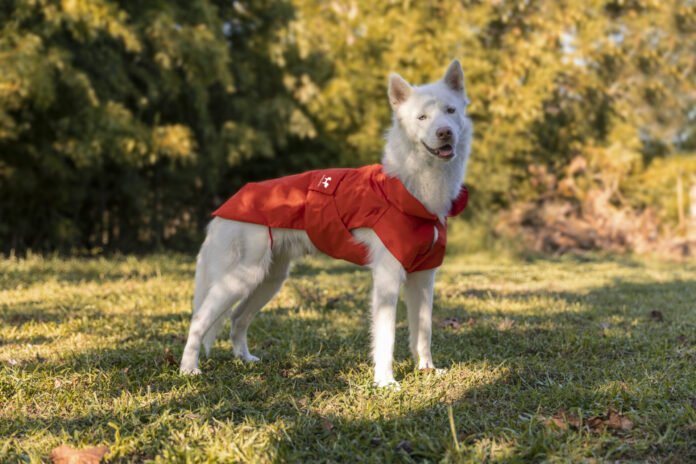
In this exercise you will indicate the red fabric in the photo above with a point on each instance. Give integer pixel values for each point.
(329, 203)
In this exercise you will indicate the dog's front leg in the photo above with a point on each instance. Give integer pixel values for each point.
(418, 293)
(387, 276)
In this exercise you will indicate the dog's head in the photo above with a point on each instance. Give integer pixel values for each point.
(434, 115)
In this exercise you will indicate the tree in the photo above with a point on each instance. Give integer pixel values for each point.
(121, 122)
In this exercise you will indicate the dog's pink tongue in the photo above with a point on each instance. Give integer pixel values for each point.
(445, 150)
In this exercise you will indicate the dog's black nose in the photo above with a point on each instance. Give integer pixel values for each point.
(444, 133)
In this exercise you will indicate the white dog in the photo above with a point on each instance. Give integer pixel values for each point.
(245, 264)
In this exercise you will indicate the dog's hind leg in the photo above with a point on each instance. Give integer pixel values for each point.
(201, 285)
(232, 276)
(252, 304)
(418, 295)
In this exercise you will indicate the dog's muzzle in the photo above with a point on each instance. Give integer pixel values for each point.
(444, 152)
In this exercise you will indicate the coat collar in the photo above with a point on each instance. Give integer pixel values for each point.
(399, 196)
(460, 202)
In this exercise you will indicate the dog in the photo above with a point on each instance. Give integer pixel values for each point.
(253, 238)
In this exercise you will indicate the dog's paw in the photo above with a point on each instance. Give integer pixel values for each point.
(248, 358)
(186, 371)
(392, 385)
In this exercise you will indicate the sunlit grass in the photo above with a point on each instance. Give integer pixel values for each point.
(82, 362)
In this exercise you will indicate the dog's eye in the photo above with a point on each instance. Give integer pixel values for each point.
(422, 117)
(450, 110)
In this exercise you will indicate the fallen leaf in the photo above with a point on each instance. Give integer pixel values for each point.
(193, 416)
(471, 322)
(656, 316)
(506, 324)
(57, 383)
(67, 455)
(612, 420)
(405, 446)
(450, 322)
(125, 371)
(169, 358)
(558, 422)
(594, 423)
(617, 421)
(562, 420)
(427, 370)
(326, 424)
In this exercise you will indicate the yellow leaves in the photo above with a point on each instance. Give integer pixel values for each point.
(81, 152)
(163, 59)
(276, 52)
(300, 125)
(81, 81)
(100, 17)
(8, 87)
(194, 50)
(114, 130)
(25, 70)
(174, 141)
(304, 89)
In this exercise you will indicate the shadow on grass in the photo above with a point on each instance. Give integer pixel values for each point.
(76, 271)
(622, 298)
(585, 257)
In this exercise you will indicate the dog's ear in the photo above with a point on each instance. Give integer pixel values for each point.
(399, 90)
(454, 78)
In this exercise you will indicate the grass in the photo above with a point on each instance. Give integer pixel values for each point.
(84, 362)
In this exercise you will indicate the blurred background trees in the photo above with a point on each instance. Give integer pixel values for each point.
(124, 124)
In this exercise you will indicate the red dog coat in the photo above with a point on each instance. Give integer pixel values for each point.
(329, 203)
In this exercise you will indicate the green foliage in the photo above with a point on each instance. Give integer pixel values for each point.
(548, 80)
(123, 124)
(657, 185)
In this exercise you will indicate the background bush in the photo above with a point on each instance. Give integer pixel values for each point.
(124, 124)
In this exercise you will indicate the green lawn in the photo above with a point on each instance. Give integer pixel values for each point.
(83, 362)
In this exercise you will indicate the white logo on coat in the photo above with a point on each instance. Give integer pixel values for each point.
(325, 181)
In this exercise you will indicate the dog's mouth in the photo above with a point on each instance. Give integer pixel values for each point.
(443, 152)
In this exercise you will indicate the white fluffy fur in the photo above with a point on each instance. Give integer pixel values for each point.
(236, 265)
